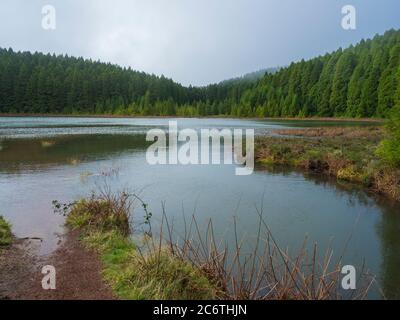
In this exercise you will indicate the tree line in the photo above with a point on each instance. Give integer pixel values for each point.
(360, 81)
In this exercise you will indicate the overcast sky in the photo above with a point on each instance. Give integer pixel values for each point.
(193, 41)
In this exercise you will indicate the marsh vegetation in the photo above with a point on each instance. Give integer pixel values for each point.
(168, 265)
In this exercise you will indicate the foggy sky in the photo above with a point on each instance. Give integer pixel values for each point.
(193, 42)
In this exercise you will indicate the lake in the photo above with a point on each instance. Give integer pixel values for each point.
(46, 159)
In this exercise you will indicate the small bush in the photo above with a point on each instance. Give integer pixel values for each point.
(5, 232)
(389, 149)
(104, 212)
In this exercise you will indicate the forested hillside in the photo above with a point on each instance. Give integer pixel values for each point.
(360, 81)
(37, 83)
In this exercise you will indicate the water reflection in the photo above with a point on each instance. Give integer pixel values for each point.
(388, 230)
(42, 153)
(387, 227)
(355, 193)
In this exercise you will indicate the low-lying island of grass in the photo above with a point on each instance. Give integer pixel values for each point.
(349, 154)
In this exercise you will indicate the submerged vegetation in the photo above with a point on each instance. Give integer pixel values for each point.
(348, 154)
(5, 232)
(196, 266)
(359, 81)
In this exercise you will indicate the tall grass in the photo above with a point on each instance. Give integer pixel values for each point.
(266, 272)
(104, 224)
(194, 265)
(105, 211)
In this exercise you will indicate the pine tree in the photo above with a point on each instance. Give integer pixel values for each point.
(343, 72)
(388, 83)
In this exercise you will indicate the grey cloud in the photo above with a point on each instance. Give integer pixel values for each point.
(193, 42)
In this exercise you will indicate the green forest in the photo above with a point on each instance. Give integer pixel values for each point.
(359, 81)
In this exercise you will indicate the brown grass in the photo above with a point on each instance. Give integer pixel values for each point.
(387, 181)
(267, 272)
(345, 132)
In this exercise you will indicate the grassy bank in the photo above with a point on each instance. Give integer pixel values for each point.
(348, 154)
(156, 274)
(5, 233)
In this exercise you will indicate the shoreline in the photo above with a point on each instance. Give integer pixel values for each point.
(316, 119)
(21, 266)
(346, 154)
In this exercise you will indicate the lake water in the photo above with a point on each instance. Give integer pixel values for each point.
(46, 159)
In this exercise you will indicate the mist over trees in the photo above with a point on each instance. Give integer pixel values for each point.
(360, 81)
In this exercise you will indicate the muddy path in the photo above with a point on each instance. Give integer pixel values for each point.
(18, 265)
(78, 272)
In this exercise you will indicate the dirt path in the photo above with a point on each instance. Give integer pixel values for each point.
(17, 268)
(78, 273)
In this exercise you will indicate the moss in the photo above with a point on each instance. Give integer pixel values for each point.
(5, 232)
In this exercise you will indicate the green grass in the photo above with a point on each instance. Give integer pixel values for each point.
(389, 149)
(5, 232)
(157, 274)
(103, 213)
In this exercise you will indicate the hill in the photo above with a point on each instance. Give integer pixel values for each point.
(359, 81)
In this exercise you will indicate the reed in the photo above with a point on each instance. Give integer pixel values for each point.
(193, 264)
(266, 272)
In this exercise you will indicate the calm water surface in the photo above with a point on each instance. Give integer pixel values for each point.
(43, 159)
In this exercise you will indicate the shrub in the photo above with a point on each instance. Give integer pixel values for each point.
(389, 149)
(105, 212)
(5, 232)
